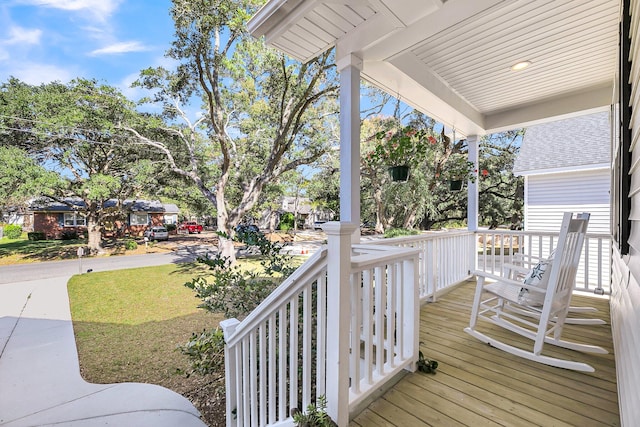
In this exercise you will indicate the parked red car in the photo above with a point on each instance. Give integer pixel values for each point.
(190, 227)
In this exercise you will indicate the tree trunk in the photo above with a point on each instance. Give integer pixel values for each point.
(94, 235)
(272, 221)
(377, 198)
(225, 245)
(409, 219)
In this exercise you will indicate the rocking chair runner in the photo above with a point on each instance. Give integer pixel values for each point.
(501, 302)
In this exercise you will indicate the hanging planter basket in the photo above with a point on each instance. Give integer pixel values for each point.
(455, 184)
(399, 173)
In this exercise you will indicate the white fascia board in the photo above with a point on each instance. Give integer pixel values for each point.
(579, 168)
(277, 16)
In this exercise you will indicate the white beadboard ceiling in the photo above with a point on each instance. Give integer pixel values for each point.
(451, 59)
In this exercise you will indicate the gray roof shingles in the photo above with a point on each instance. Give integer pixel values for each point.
(48, 205)
(563, 144)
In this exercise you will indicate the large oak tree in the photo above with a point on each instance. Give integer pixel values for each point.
(72, 130)
(262, 114)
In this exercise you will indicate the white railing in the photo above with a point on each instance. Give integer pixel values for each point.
(341, 326)
(275, 358)
(446, 258)
(497, 247)
(385, 315)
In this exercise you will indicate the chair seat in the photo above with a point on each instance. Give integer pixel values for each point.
(503, 290)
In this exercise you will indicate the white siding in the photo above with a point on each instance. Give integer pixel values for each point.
(625, 296)
(547, 196)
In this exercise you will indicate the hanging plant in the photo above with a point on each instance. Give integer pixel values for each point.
(459, 169)
(402, 147)
(399, 173)
(399, 149)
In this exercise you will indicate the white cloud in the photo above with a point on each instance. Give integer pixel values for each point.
(34, 73)
(19, 35)
(120, 47)
(100, 9)
(133, 93)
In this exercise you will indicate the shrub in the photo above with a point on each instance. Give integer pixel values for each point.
(397, 232)
(286, 221)
(69, 235)
(235, 292)
(12, 231)
(205, 351)
(130, 245)
(171, 227)
(37, 235)
(285, 227)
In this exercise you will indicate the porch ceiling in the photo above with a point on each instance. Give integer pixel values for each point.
(452, 59)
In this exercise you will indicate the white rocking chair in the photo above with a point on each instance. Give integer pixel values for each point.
(539, 319)
(522, 265)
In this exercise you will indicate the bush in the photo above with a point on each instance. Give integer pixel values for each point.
(397, 232)
(171, 227)
(205, 352)
(12, 231)
(286, 221)
(69, 235)
(37, 235)
(130, 245)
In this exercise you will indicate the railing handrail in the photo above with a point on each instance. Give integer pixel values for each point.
(431, 235)
(540, 233)
(379, 254)
(286, 290)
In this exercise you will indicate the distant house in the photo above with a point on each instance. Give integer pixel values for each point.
(132, 218)
(306, 214)
(566, 166)
(171, 213)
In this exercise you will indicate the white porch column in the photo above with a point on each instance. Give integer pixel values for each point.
(349, 68)
(338, 318)
(472, 188)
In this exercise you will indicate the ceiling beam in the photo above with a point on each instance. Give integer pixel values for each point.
(592, 99)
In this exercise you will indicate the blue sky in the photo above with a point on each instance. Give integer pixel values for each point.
(109, 40)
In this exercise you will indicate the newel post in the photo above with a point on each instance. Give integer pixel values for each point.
(230, 367)
(338, 318)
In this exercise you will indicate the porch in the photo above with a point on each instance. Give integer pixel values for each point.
(478, 385)
(348, 323)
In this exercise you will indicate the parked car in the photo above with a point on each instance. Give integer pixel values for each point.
(190, 227)
(156, 233)
(243, 228)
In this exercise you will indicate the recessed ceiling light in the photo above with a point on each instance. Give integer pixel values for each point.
(520, 65)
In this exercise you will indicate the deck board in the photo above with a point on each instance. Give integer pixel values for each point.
(478, 385)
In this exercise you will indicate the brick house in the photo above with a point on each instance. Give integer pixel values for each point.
(56, 219)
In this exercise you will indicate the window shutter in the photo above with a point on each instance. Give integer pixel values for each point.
(61, 219)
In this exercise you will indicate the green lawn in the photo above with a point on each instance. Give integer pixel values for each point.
(128, 324)
(21, 250)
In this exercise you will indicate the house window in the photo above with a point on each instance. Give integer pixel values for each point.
(73, 220)
(139, 219)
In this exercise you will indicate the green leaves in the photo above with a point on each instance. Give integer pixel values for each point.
(21, 177)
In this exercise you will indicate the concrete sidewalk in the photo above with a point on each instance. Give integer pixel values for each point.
(40, 383)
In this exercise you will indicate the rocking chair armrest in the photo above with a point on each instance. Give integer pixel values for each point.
(516, 268)
(500, 279)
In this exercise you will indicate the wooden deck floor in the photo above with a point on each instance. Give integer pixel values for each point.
(478, 385)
